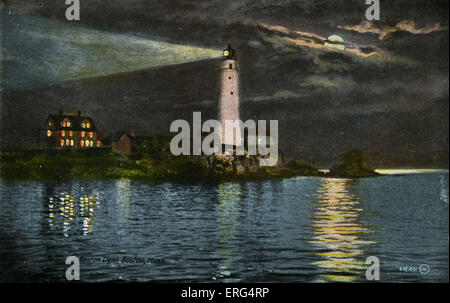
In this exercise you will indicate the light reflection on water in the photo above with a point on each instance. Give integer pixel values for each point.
(70, 209)
(230, 196)
(124, 199)
(301, 229)
(338, 229)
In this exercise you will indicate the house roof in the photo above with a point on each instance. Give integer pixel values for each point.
(117, 135)
(75, 119)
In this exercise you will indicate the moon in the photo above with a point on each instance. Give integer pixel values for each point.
(335, 42)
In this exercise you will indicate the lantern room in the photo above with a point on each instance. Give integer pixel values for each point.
(229, 53)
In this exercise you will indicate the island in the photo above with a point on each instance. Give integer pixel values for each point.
(151, 161)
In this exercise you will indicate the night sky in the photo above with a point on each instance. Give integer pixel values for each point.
(138, 65)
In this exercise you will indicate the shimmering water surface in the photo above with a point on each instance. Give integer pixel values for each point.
(303, 229)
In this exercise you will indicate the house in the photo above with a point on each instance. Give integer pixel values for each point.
(68, 131)
(121, 141)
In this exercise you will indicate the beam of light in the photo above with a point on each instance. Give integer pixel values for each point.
(40, 52)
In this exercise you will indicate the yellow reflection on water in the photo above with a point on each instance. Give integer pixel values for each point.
(338, 231)
(228, 220)
(88, 207)
(65, 210)
(405, 171)
(124, 198)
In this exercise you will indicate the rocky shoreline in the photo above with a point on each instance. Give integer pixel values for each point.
(43, 165)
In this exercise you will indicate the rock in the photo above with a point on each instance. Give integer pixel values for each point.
(352, 165)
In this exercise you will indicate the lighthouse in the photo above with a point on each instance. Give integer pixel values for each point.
(229, 101)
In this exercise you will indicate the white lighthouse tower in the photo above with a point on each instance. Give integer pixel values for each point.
(229, 101)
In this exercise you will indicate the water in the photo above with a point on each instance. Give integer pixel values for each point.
(304, 229)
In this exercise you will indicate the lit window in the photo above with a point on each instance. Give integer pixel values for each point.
(86, 143)
(88, 125)
(63, 133)
(66, 123)
(71, 142)
(91, 143)
(67, 142)
(91, 134)
(49, 133)
(70, 133)
(83, 125)
(62, 142)
(81, 143)
(83, 134)
(50, 124)
(98, 143)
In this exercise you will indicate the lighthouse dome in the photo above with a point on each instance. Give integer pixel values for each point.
(229, 53)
